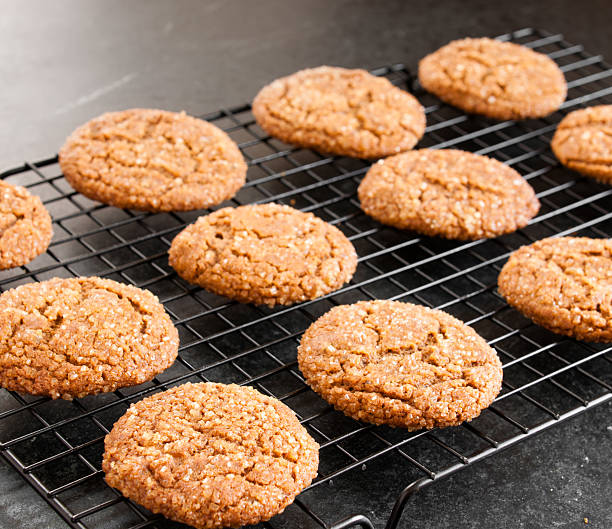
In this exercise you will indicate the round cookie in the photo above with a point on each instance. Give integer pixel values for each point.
(583, 142)
(67, 338)
(340, 111)
(152, 160)
(210, 455)
(405, 365)
(501, 80)
(25, 226)
(448, 193)
(264, 254)
(564, 285)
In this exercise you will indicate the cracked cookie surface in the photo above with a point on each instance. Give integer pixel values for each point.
(564, 285)
(152, 160)
(448, 193)
(67, 338)
(265, 254)
(340, 111)
(25, 226)
(404, 365)
(501, 80)
(583, 142)
(210, 455)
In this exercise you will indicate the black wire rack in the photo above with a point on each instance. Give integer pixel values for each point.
(56, 446)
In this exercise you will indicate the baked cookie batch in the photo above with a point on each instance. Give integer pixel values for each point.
(215, 455)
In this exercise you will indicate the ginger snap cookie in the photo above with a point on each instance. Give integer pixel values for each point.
(152, 160)
(67, 338)
(25, 226)
(404, 365)
(564, 285)
(448, 193)
(501, 80)
(340, 111)
(583, 142)
(264, 254)
(210, 455)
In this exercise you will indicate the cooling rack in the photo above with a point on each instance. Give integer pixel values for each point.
(56, 446)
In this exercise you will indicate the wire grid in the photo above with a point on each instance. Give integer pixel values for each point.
(57, 446)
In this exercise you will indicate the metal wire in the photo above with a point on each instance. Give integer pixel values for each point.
(56, 446)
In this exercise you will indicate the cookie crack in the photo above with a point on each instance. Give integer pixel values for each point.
(429, 353)
(490, 74)
(411, 400)
(19, 217)
(14, 330)
(211, 436)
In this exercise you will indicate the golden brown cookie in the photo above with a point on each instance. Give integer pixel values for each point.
(210, 455)
(387, 362)
(67, 338)
(25, 226)
(564, 285)
(583, 142)
(265, 254)
(340, 111)
(501, 80)
(448, 193)
(152, 160)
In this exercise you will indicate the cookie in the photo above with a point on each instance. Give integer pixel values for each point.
(152, 160)
(399, 364)
(564, 285)
(25, 226)
(501, 80)
(67, 338)
(264, 254)
(210, 455)
(340, 111)
(583, 142)
(448, 193)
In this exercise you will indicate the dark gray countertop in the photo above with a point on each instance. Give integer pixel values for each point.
(62, 63)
